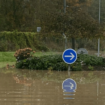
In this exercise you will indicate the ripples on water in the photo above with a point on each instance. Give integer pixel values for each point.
(45, 88)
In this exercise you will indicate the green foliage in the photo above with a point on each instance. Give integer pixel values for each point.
(50, 68)
(44, 63)
(42, 47)
(19, 64)
(56, 62)
(15, 40)
(90, 60)
(7, 57)
(90, 67)
(76, 66)
(26, 15)
(76, 22)
(3, 45)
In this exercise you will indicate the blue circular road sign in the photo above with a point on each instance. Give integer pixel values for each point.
(69, 56)
(69, 85)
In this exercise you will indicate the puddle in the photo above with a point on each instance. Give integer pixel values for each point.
(23, 87)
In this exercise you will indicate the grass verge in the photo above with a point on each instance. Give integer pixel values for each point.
(8, 57)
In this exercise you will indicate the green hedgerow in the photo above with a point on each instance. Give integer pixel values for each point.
(55, 62)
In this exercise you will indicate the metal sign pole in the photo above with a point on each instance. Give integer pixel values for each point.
(64, 6)
(69, 70)
(65, 37)
(66, 43)
(64, 24)
(65, 40)
(99, 24)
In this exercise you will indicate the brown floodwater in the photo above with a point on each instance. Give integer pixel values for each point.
(24, 87)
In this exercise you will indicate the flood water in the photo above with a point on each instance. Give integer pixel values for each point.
(24, 87)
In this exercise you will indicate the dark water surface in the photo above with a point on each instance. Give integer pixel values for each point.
(18, 87)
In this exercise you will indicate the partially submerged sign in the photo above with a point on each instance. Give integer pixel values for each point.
(69, 56)
(82, 51)
(69, 85)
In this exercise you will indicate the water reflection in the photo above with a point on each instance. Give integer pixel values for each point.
(22, 80)
(44, 88)
(69, 85)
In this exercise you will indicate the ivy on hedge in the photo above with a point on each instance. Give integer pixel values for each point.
(11, 41)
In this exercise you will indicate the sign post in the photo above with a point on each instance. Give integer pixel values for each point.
(99, 23)
(65, 40)
(69, 70)
(69, 85)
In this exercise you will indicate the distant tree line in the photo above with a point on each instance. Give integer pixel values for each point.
(80, 19)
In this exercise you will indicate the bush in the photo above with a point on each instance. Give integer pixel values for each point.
(56, 62)
(76, 66)
(22, 54)
(90, 67)
(43, 63)
(90, 60)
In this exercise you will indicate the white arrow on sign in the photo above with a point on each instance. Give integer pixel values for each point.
(72, 56)
(71, 86)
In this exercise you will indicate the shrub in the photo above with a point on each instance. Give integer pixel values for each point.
(43, 63)
(55, 62)
(90, 60)
(90, 67)
(76, 66)
(22, 54)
